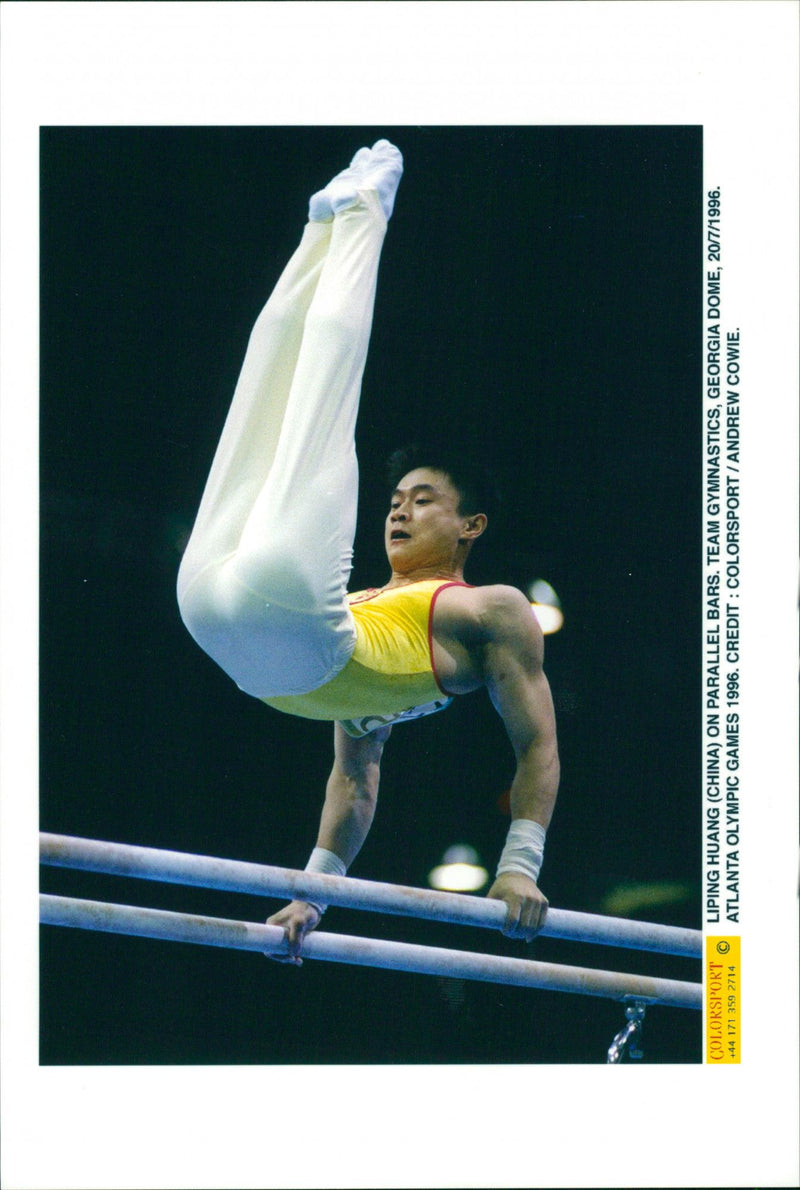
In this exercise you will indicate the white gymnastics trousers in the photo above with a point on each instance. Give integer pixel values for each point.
(262, 584)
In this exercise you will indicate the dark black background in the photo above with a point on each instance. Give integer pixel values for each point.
(540, 302)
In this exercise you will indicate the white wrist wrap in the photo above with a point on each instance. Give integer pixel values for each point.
(328, 862)
(524, 849)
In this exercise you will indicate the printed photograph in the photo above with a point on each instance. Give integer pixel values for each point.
(371, 510)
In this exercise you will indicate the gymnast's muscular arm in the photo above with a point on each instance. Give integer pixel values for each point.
(350, 798)
(511, 654)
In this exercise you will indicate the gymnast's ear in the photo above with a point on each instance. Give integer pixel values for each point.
(474, 526)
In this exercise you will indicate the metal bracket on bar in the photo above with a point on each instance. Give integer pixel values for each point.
(629, 1038)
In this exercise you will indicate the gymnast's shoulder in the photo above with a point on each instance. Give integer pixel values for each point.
(493, 612)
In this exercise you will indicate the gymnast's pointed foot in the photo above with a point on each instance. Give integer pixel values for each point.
(342, 190)
(382, 171)
(379, 168)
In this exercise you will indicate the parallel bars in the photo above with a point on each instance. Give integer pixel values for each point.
(178, 867)
(210, 872)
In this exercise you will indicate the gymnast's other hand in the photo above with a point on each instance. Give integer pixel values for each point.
(296, 919)
(526, 906)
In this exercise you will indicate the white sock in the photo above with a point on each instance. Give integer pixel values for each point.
(382, 171)
(379, 168)
(342, 187)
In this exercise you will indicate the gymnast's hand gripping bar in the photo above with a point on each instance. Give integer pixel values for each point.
(177, 867)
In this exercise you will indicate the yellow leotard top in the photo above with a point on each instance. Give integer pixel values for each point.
(390, 676)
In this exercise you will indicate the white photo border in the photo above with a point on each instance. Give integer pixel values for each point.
(728, 66)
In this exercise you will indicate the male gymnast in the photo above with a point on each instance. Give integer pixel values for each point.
(263, 582)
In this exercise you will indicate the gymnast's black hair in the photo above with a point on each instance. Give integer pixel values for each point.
(471, 478)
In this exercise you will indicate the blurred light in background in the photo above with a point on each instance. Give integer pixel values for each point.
(459, 871)
(626, 900)
(546, 606)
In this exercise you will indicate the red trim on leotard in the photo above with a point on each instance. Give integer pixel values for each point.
(434, 597)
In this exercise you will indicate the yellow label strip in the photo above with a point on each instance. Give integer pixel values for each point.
(723, 1005)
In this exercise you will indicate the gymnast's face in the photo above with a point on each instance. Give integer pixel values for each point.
(424, 529)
